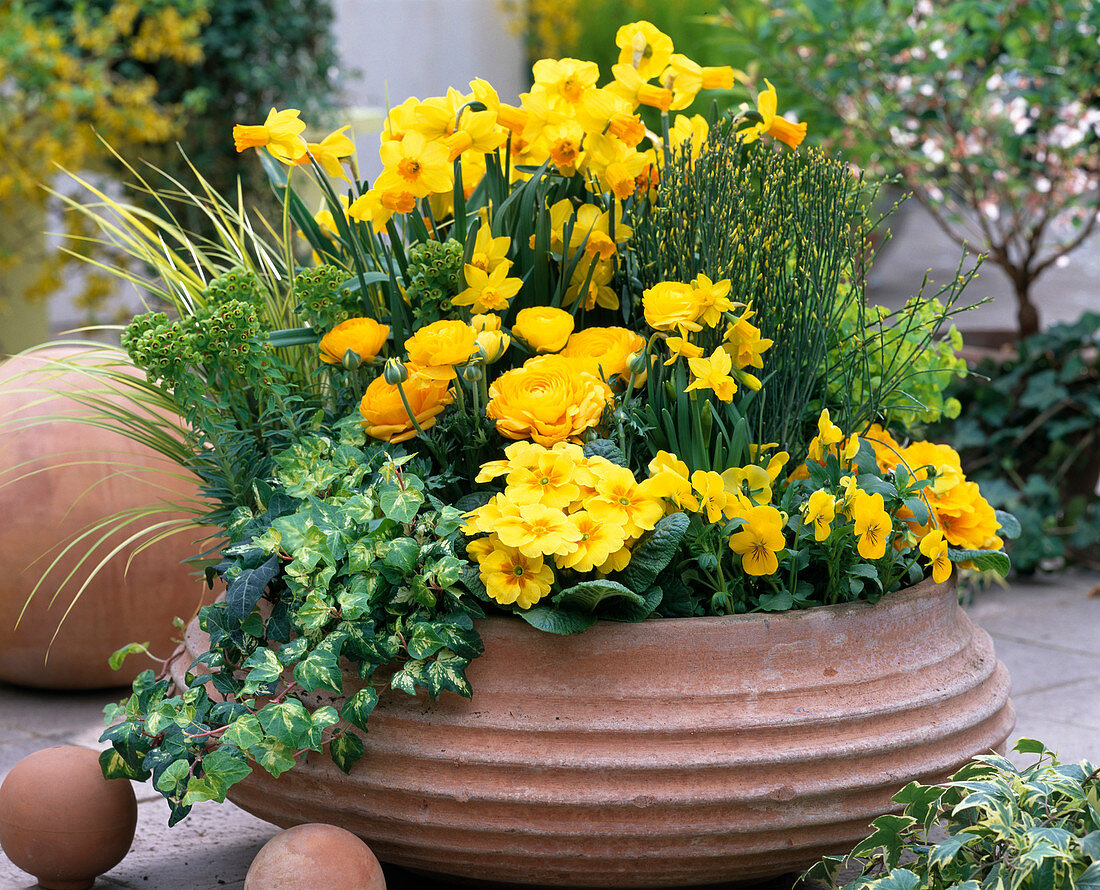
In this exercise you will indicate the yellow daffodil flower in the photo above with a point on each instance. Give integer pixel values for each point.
(778, 127)
(643, 47)
(488, 292)
(714, 374)
(280, 134)
(329, 152)
(415, 166)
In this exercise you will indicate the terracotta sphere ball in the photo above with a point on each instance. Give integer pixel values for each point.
(62, 821)
(315, 857)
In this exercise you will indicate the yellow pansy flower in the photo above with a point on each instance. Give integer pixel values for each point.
(759, 540)
(819, 512)
(873, 525)
(933, 547)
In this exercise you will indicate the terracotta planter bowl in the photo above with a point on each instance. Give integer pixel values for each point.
(60, 478)
(667, 753)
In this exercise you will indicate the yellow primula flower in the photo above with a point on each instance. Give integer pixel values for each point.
(713, 373)
(436, 348)
(759, 540)
(778, 127)
(538, 530)
(280, 134)
(598, 541)
(819, 512)
(363, 336)
(873, 525)
(550, 482)
(510, 577)
(415, 166)
(621, 500)
(933, 547)
(644, 47)
(543, 328)
(488, 292)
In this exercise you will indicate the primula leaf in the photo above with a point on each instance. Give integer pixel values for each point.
(652, 555)
(589, 594)
(1010, 525)
(358, 708)
(557, 620)
(630, 611)
(606, 449)
(780, 601)
(346, 749)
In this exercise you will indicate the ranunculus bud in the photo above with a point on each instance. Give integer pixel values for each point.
(638, 362)
(473, 373)
(395, 372)
(352, 361)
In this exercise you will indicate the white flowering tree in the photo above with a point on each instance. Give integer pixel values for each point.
(989, 110)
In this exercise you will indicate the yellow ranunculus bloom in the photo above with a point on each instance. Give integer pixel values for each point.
(606, 351)
(543, 328)
(280, 134)
(493, 345)
(887, 448)
(781, 128)
(671, 306)
(363, 336)
(759, 540)
(510, 577)
(437, 347)
(384, 414)
(549, 399)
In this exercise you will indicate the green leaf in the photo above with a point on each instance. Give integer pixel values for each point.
(1010, 525)
(400, 504)
(584, 597)
(360, 556)
(556, 620)
(244, 732)
(630, 612)
(1031, 746)
(1089, 879)
(263, 668)
(402, 554)
(653, 553)
(244, 591)
(606, 449)
(221, 769)
(984, 560)
(320, 670)
(944, 852)
(780, 601)
(358, 597)
(285, 721)
(319, 721)
(346, 749)
(293, 651)
(114, 766)
(314, 613)
(1090, 845)
(174, 778)
(273, 756)
(119, 655)
(424, 639)
(448, 671)
(358, 708)
(413, 674)
(898, 879)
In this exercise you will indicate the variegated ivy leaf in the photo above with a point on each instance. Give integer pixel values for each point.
(287, 721)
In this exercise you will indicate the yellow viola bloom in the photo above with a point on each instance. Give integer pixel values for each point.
(873, 525)
(714, 374)
(414, 166)
(778, 127)
(510, 577)
(753, 483)
(933, 547)
(280, 134)
(759, 540)
(713, 497)
(488, 292)
(670, 479)
(819, 512)
(644, 47)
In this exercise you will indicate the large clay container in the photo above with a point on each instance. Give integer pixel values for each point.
(56, 479)
(673, 752)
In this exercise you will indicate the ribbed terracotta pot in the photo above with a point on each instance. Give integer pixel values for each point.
(56, 479)
(668, 753)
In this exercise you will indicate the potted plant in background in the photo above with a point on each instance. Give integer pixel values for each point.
(588, 422)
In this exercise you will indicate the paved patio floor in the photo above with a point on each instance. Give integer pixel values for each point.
(1045, 631)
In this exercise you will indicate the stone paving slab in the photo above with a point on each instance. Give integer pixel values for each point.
(1045, 631)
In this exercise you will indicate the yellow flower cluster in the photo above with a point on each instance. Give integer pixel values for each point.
(582, 513)
(683, 311)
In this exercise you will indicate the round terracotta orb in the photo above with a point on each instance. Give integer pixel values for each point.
(668, 753)
(315, 857)
(56, 479)
(62, 821)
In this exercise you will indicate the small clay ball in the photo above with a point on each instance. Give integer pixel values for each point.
(315, 857)
(62, 821)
